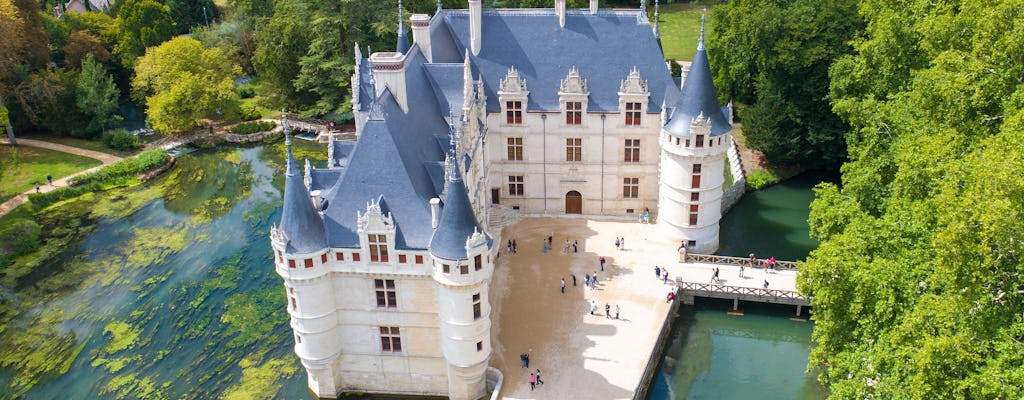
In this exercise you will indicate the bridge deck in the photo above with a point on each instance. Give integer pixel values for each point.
(695, 280)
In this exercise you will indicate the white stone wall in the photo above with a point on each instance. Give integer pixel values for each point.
(678, 159)
(598, 177)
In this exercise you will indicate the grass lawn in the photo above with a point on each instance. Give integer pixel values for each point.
(265, 112)
(33, 165)
(680, 28)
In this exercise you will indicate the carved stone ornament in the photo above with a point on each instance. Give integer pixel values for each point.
(573, 83)
(633, 84)
(512, 83)
(377, 112)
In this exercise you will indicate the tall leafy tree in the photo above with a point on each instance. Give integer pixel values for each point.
(141, 24)
(774, 56)
(280, 45)
(80, 45)
(190, 13)
(11, 29)
(96, 96)
(183, 83)
(918, 285)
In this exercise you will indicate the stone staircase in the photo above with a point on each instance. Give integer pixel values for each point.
(500, 216)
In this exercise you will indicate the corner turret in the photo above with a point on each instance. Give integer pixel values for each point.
(699, 98)
(301, 224)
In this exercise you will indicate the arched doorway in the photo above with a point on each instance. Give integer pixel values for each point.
(573, 203)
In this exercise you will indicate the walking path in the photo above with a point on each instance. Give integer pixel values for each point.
(20, 199)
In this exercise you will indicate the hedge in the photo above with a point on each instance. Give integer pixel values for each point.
(128, 167)
(247, 128)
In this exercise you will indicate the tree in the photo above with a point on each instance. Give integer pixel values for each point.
(917, 284)
(190, 13)
(183, 82)
(280, 45)
(775, 56)
(141, 24)
(11, 29)
(82, 44)
(97, 96)
(34, 51)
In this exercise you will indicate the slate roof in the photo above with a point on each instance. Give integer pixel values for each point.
(323, 179)
(457, 222)
(390, 161)
(300, 222)
(342, 149)
(699, 97)
(446, 79)
(604, 47)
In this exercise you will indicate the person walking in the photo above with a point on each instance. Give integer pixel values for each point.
(607, 311)
(37, 187)
(533, 382)
(527, 358)
(622, 241)
(575, 246)
(657, 271)
(586, 280)
(537, 375)
(664, 277)
(617, 310)
(714, 278)
(741, 270)
(522, 360)
(508, 246)
(593, 281)
(515, 246)
(765, 283)
(49, 179)
(601, 260)
(771, 263)
(617, 243)
(593, 307)
(563, 285)
(574, 280)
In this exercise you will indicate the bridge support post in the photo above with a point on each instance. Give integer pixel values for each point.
(798, 307)
(735, 307)
(798, 317)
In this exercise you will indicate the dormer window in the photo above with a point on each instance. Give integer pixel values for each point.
(514, 112)
(378, 248)
(633, 114)
(573, 113)
(699, 141)
(633, 97)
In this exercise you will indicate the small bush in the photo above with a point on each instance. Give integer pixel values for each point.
(120, 139)
(42, 200)
(759, 179)
(250, 114)
(674, 68)
(128, 167)
(247, 128)
(246, 92)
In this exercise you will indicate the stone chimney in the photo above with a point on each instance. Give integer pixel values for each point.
(475, 24)
(560, 10)
(593, 6)
(389, 72)
(421, 34)
(435, 212)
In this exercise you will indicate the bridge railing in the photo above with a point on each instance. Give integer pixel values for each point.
(708, 288)
(738, 261)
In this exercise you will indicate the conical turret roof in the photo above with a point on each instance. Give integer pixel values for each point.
(403, 41)
(699, 97)
(300, 222)
(457, 221)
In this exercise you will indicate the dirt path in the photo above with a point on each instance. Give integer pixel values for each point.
(20, 199)
(581, 356)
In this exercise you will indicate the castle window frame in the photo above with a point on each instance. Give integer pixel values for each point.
(339, 256)
(630, 188)
(699, 141)
(386, 292)
(323, 258)
(478, 262)
(632, 151)
(694, 214)
(574, 149)
(402, 259)
(574, 113)
(515, 185)
(695, 196)
(355, 257)
(378, 247)
(419, 259)
(446, 269)
(515, 148)
(514, 112)
(477, 312)
(695, 180)
(464, 269)
(390, 339)
(633, 113)
(291, 263)
(308, 262)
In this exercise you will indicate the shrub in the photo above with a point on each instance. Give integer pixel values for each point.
(246, 92)
(759, 179)
(125, 168)
(247, 128)
(250, 114)
(674, 68)
(120, 139)
(42, 200)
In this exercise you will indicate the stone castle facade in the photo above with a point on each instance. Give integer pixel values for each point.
(387, 253)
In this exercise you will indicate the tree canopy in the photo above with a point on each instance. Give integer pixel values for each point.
(917, 285)
(774, 57)
(141, 24)
(97, 96)
(183, 82)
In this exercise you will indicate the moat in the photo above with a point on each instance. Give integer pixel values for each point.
(172, 294)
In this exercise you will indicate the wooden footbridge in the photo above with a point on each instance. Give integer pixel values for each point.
(737, 281)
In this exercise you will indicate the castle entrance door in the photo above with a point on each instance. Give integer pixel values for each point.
(573, 203)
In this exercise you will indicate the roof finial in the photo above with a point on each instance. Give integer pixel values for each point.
(289, 168)
(700, 42)
(643, 7)
(439, 7)
(403, 42)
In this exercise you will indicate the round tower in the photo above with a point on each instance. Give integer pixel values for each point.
(302, 258)
(694, 143)
(462, 265)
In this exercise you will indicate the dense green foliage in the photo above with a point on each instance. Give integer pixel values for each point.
(774, 56)
(247, 128)
(120, 139)
(917, 286)
(184, 83)
(145, 161)
(97, 96)
(141, 24)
